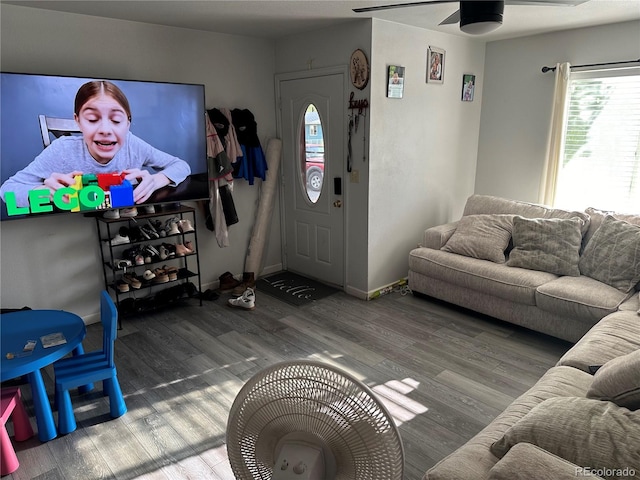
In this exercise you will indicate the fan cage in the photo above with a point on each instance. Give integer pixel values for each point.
(317, 399)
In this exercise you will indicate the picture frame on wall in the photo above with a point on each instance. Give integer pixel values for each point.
(395, 81)
(435, 65)
(468, 87)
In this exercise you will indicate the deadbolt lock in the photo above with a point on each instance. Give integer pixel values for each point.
(337, 203)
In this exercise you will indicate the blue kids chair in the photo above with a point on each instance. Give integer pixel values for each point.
(81, 370)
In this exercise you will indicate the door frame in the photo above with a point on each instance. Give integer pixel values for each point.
(301, 75)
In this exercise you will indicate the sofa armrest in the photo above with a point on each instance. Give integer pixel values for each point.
(528, 462)
(436, 237)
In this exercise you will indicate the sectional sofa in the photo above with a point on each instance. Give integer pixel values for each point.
(573, 275)
(536, 283)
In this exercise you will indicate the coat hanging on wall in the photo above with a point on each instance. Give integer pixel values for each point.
(253, 162)
(222, 212)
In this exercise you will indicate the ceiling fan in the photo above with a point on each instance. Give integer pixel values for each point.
(476, 17)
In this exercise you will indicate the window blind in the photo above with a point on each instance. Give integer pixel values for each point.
(601, 155)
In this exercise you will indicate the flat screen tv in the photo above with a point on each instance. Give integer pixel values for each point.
(70, 144)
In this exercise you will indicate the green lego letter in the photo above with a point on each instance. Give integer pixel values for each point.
(12, 207)
(39, 200)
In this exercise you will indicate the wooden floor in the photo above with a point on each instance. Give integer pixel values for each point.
(443, 372)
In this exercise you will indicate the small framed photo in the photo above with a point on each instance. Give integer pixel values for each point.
(468, 87)
(435, 65)
(395, 81)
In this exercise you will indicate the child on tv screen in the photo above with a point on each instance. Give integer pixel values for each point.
(105, 146)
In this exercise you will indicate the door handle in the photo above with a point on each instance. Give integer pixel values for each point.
(337, 203)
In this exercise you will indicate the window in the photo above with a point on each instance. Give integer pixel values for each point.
(312, 155)
(600, 163)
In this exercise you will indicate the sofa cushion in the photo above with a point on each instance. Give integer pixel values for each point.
(487, 204)
(618, 381)
(514, 284)
(597, 216)
(579, 297)
(525, 461)
(589, 433)
(615, 335)
(613, 254)
(548, 245)
(474, 460)
(481, 236)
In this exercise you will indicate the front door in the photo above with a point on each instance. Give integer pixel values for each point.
(312, 124)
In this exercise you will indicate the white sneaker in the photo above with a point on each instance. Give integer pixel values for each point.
(113, 214)
(185, 226)
(247, 300)
(119, 240)
(129, 212)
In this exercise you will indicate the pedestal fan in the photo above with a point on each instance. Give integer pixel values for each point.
(310, 421)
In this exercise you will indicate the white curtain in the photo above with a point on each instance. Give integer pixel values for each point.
(555, 144)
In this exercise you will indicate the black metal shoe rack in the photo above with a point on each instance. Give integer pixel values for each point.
(151, 295)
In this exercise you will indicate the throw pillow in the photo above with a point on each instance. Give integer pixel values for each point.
(612, 256)
(481, 236)
(587, 432)
(618, 381)
(549, 245)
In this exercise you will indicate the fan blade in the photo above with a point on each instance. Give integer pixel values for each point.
(400, 5)
(548, 3)
(451, 19)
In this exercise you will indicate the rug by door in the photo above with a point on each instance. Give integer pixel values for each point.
(293, 288)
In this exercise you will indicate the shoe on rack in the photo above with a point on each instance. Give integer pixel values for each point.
(113, 214)
(172, 272)
(189, 246)
(148, 232)
(136, 235)
(185, 226)
(171, 226)
(248, 281)
(148, 275)
(122, 286)
(149, 209)
(171, 249)
(122, 264)
(129, 212)
(161, 276)
(121, 237)
(152, 252)
(247, 300)
(132, 280)
(227, 282)
(182, 250)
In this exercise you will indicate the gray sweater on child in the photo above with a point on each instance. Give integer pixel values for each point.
(68, 154)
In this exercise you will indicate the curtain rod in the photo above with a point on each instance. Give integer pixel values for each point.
(553, 69)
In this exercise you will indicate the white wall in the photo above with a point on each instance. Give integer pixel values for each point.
(422, 147)
(55, 262)
(517, 100)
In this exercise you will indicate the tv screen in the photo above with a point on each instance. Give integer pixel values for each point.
(70, 144)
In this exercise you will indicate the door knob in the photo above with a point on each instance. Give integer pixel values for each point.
(337, 203)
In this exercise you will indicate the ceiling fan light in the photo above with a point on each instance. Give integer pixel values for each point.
(479, 17)
(480, 28)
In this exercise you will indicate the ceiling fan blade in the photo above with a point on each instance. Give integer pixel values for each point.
(400, 5)
(548, 3)
(451, 19)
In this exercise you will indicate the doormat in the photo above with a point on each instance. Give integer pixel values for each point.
(293, 288)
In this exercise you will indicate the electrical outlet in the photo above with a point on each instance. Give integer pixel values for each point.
(355, 176)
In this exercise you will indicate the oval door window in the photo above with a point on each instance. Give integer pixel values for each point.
(312, 153)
